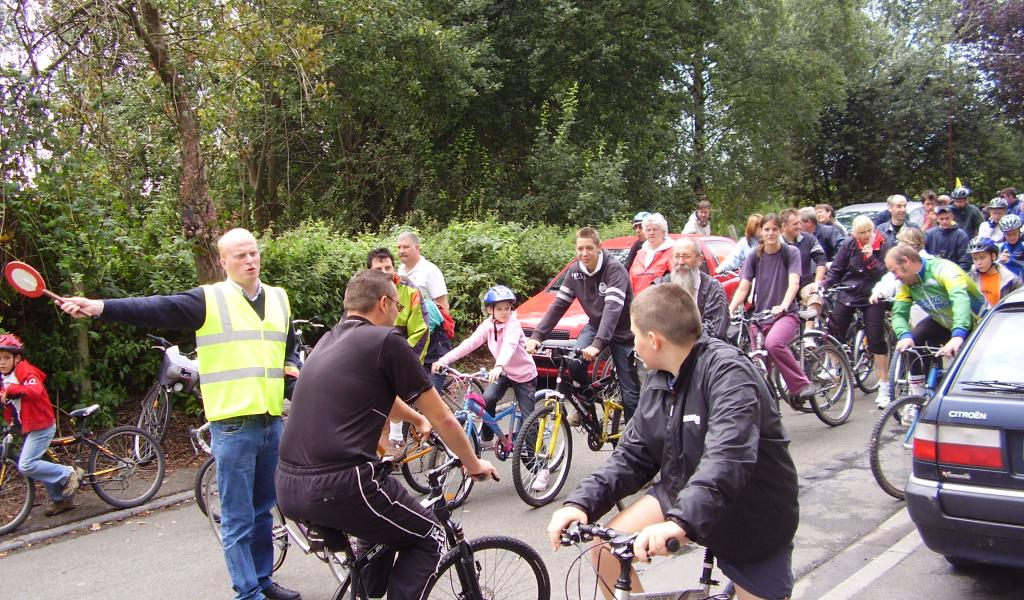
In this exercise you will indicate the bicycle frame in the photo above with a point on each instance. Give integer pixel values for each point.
(598, 429)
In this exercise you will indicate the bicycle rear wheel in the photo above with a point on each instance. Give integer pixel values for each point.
(891, 448)
(542, 455)
(126, 466)
(17, 493)
(155, 413)
(504, 568)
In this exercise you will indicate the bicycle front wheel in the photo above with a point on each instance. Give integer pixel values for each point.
(503, 567)
(863, 363)
(416, 463)
(17, 493)
(830, 373)
(155, 413)
(899, 374)
(541, 455)
(126, 466)
(891, 449)
(206, 475)
(455, 485)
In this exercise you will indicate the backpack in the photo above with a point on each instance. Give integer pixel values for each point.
(438, 318)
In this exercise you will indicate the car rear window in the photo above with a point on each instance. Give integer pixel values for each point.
(992, 356)
(620, 254)
(720, 250)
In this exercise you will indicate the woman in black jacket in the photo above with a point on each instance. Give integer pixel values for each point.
(858, 266)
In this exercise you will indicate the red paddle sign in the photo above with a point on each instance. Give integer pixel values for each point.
(27, 281)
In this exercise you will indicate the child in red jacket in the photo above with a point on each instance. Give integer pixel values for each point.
(25, 400)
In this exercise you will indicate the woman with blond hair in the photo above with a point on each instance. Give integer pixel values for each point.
(859, 264)
(744, 246)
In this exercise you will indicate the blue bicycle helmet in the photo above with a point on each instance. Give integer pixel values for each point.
(639, 217)
(982, 244)
(1009, 223)
(960, 192)
(499, 293)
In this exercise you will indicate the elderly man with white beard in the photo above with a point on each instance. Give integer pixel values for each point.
(705, 289)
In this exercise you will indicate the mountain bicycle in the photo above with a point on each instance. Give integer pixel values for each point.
(620, 545)
(125, 467)
(542, 452)
(855, 344)
(891, 448)
(821, 356)
(486, 568)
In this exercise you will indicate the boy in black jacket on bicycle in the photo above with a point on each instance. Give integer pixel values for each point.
(709, 425)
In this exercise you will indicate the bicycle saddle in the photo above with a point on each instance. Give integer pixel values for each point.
(80, 413)
(322, 537)
(807, 315)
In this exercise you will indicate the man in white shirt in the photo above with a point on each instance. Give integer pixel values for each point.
(421, 271)
(699, 222)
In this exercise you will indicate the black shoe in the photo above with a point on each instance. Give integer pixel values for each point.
(801, 401)
(276, 592)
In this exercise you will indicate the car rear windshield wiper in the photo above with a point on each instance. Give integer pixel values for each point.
(991, 385)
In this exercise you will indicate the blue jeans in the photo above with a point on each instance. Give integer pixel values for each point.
(245, 449)
(51, 475)
(625, 369)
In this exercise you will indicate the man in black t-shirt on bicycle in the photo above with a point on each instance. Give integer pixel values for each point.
(329, 473)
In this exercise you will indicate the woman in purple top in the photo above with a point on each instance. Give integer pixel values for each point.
(775, 267)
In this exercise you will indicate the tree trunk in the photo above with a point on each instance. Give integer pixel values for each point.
(700, 142)
(199, 216)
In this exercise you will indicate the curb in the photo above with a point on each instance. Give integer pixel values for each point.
(47, 534)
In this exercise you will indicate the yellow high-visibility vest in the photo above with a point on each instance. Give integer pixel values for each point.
(241, 358)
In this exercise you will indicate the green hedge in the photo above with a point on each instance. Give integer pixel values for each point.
(312, 262)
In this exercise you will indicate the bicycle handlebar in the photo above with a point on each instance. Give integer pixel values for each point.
(744, 317)
(164, 344)
(480, 375)
(584, 532)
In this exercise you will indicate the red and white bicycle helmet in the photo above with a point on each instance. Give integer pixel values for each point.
(11, 343)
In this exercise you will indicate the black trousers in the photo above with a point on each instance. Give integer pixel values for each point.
(874, 324)
(366, 502)
(930, 333)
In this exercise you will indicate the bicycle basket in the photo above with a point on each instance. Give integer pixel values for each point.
(178, 372)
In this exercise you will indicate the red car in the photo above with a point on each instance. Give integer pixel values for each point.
(715, 249)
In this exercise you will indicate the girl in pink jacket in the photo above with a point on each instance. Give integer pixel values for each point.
(505, 339)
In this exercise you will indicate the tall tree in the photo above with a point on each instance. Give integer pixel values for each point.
(993, 32)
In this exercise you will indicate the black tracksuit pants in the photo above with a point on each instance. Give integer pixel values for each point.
(366, 502)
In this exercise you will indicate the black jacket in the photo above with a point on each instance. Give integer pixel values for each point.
(830, 239)
(950, 244)
(968, 218)
(717, 438)
(711, 302)
(604, 295)
(812, 256)
(850, 269)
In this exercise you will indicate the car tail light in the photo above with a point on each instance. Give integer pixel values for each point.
(962, 446)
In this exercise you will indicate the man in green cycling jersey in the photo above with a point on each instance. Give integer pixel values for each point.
(950, 298)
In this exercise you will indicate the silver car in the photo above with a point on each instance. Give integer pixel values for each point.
(846, 214)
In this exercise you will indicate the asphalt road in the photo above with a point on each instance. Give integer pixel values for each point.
(854, 541)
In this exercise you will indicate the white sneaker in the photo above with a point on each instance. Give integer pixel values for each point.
(916, 389)
(573, 416)
(882, 398)
(540, 482)
(909, 414)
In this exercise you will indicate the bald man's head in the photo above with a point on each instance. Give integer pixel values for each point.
(240, 258)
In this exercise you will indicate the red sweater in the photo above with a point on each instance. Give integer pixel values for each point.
(36, 410)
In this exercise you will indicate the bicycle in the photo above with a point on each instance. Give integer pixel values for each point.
(542, 452)
(621, 547)
(821, 356)
(125, 467)
(891, 448)
(855, 343)
(486, 568)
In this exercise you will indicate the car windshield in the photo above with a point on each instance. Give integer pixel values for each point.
(990, 366)
(620, 254)
(846, 218)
